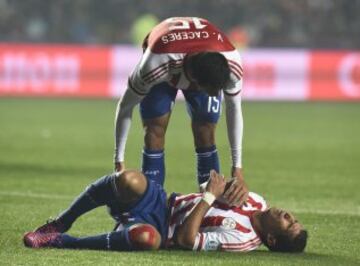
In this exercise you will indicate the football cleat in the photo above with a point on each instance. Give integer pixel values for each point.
(52, 226)
(37, 240)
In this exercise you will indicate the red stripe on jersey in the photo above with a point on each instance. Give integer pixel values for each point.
(248, 247)
(255, 239)
(201, 240)
(156, 71)
(241, 246)
(218, 220)
(186, 198)
(162, 73)
(161, 66)
(170, 63)
(226, 207)
(254, 203)
(232, 94)
(235, 64)
(234, 71)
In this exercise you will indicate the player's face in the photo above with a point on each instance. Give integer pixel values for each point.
(277, 220)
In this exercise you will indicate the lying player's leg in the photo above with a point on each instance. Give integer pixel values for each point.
(113, 190)
(155, 112)
(135, 237)
(205, 112)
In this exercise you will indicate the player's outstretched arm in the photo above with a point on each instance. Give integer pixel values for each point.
(187, 232)
(122, 125)
(238, 192)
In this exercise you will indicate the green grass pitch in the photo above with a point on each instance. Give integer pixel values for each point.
(304, 157)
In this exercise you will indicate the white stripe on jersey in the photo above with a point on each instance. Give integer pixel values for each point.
(223, 227)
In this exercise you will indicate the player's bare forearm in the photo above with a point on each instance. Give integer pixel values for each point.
(237, 172)
(119, 166)
(186, 233)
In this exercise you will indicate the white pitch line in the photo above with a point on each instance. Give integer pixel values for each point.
(33, 195)
(355, 211)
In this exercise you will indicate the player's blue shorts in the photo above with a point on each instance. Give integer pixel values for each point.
(160, 100)
(150, 209)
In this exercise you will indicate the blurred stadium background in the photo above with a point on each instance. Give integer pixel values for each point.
(64, 64)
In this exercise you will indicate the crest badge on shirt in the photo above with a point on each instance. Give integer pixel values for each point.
(228, 223)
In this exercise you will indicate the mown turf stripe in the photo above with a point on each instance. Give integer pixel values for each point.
(355, 211)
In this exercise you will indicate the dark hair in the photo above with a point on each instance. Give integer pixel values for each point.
(210, 69)
(285, 243)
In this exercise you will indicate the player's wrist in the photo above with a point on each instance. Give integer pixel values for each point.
(208, 197)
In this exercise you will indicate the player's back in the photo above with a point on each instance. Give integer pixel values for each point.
(185, 35)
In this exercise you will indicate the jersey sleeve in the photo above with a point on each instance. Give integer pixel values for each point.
(151, 70)
(234, 122)
(225, 241)
(232, 96)
(123, 117)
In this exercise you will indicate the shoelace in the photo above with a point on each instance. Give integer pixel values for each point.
(44, 239)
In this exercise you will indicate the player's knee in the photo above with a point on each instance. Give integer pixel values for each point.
(130, 184)
(144, 237)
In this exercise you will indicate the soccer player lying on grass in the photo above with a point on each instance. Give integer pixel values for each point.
(147, 219)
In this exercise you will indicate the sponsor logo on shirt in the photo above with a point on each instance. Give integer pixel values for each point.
(229, 223)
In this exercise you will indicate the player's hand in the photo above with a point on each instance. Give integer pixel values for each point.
(119, 167)
(216, 184)
(238, 192)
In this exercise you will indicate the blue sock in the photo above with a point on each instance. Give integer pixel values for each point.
(118, 240)
(153, 165)
(97, 194)
(207, 159)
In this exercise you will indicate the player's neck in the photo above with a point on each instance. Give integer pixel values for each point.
(256, 222)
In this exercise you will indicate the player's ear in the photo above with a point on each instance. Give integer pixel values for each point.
(271, 240)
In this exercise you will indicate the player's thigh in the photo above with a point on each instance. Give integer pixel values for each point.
(204, 111)
(201, 107)
(158, 102)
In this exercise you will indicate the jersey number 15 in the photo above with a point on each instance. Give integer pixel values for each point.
(185, 24)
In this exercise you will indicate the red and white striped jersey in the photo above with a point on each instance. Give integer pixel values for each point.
(223, 227)
(167, 45)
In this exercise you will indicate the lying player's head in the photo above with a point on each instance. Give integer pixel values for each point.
(282, 232)
(210, 70)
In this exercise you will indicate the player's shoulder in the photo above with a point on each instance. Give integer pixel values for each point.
(235, 64)
(154, 64)
(257, 200)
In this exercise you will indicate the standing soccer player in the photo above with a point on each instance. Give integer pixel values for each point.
(192, 55)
